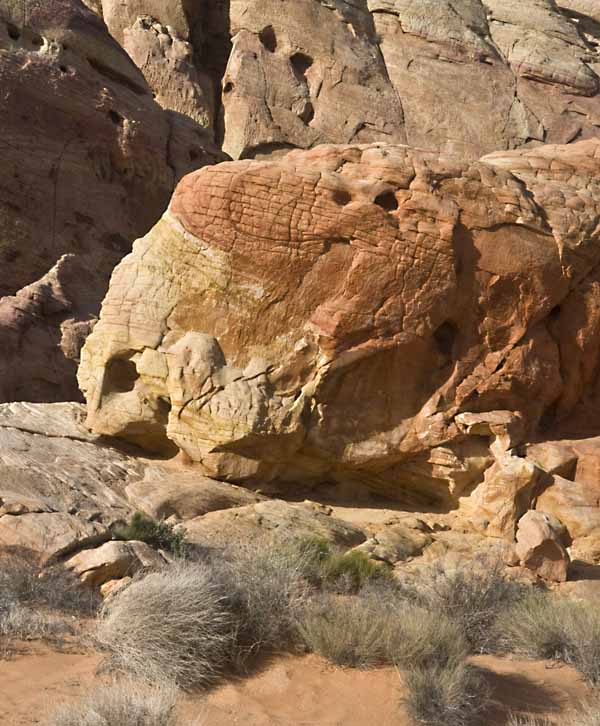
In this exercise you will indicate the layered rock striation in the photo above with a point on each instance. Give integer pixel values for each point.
(369, 315)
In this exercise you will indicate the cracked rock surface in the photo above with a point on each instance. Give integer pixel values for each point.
(367, 314)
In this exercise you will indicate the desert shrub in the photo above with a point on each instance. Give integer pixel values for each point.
(265, 584)
(472, 597)
(368, 630)
(121, 704)
(453, 694)
(585, 715)
(192, 621)
(53, 588)
(547, 626)
(25, 623)
(351, 571)
(172, 625)
(160, 535)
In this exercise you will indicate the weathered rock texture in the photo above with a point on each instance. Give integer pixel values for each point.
(89, 161)
(469, 77)
(369, 315)
(63, 488)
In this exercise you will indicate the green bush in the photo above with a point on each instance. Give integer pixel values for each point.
(351, 571)
(547, 626)
(160, 535)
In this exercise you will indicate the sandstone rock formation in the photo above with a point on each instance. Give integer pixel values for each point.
(469, 78)
(271, 518)
(541, 540)
(89, 164)
(113, 561)
(369, 315)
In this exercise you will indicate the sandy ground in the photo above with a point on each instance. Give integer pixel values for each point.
(291, 691)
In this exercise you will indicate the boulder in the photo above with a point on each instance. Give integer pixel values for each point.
(507, 491)
(396, 543)
(113, 561)
(268, 519)
(185, 495)
(555, 457)
(576, 503)
(52, 535)
(373, 315)
(541, 545)
(90, 166)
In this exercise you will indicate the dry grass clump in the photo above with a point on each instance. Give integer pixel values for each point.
(172, 625)
(265, 585)
(548, 626)
(453, 694)
(371, 629)
(471, 596)
(34, 601)
(586, 715)
(193, 621)
(121, 704)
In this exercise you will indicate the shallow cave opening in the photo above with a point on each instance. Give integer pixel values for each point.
(300, 65)
(268, 38)
(120, 376)
(13, 31)
(445, 338)
(387, 201)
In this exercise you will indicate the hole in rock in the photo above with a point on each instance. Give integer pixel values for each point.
(115, 117)
(120, 376)
(387, 201)
(300, 64)
(63, 69)
(555, 313)
(268, 38)
(228, 87)
(341, 197)
(13, 31)
(37, 40)
(445, 337)
(308, 114)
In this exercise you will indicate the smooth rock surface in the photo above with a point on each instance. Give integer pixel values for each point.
(113, 561)
(185, 495)
(266, 519)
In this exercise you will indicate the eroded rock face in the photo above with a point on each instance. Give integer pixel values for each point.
(470, 77)
(88, 166)
(371, 315)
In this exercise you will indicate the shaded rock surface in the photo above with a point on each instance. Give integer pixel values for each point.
(88, 166)
(369, 315)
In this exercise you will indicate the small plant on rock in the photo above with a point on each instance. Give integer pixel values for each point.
(160, 535)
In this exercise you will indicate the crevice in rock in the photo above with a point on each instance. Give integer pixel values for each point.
(112, 75)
